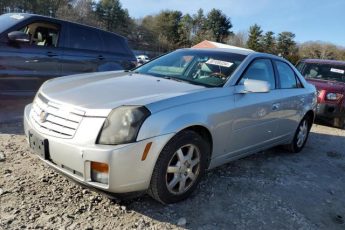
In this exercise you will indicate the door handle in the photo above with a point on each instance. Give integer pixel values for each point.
(51, 54)
(275, 106)
(302, 99)
(100, 57)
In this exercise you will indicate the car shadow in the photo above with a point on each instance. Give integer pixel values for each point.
(11, 114)
(273, 186)
(324, 122)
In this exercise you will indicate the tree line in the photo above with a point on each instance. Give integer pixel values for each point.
(171, 29)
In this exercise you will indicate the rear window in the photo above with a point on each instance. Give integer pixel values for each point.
(114, 43)
(324, 71)
(9, 20)
(84, 38)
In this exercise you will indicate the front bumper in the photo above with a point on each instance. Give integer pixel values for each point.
(73, 157)
(325, 110)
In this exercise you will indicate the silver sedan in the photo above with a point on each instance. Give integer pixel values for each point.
(159, 127)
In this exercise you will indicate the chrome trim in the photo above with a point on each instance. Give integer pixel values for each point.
(59, 121)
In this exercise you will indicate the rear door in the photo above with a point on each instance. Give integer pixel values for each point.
(83, 50)
(25, 66)
(292, 99)
(116, 53)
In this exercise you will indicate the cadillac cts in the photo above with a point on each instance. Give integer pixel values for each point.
(159, 127)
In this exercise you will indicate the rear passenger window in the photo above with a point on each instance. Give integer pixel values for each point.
(113, 43)
(288, 79)
(84, 38)
(260, 69)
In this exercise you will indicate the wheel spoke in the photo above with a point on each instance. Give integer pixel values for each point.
(190, 152)
(194, 162)
(173, 182)
(192, 176)
(173, 169)
(180, 156)
(182, 185)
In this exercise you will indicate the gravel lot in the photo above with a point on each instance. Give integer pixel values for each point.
(268, 190)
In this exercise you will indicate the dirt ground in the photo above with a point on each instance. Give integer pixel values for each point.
(268, 190)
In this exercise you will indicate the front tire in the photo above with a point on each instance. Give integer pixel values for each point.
(179, 167)
(301, 135)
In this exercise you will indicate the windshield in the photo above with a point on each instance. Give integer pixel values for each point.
(200, 67)
(9, 20)
(324, 71)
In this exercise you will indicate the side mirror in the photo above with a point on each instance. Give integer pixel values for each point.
(18, 36)
(253, 86)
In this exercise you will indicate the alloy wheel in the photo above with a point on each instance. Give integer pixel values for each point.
(302, 133)
(183, 169)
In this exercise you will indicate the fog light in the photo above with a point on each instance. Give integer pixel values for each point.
(99, 172)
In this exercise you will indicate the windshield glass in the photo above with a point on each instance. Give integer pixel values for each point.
(200, 67)
(324, 71)
(9, 20)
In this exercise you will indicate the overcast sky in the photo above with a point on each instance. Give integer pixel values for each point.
(309, 20)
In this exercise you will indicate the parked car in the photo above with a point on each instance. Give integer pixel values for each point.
(35, 48)
(328, 76)
(159, 127)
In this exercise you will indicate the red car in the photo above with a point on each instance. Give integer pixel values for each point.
(328, 76)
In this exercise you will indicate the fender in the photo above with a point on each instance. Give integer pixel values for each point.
(171, 121)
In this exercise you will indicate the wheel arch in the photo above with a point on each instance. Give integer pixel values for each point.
(205, 133)
(311, 115)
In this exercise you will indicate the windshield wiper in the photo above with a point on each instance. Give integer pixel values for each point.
(175, 79)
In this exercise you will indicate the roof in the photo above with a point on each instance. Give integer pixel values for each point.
(227, 50)
(211, 44)
(57, 20)
(324, 61)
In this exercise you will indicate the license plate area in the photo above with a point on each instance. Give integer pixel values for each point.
(39, 146)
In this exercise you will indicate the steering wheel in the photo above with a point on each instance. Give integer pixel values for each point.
(218, 75)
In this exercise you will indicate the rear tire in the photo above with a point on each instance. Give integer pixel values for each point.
(301, 135)
(338, 122)
(179, 167)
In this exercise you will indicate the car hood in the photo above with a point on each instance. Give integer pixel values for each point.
(328, 85)
(98, 93)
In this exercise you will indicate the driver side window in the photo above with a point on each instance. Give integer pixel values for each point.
(260, 69)
(42, 34)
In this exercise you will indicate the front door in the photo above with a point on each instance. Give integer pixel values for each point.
(256, 114)
(26, 65)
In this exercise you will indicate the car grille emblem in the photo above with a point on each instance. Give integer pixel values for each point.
(43, 116)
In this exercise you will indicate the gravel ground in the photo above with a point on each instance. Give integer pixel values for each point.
(268, 190)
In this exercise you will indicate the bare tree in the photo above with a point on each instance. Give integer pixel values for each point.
(238, 39)
(320, 50)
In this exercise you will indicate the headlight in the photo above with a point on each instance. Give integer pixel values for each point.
(333, 96)
(122, 125)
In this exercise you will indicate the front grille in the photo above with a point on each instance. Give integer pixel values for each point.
(55, 119)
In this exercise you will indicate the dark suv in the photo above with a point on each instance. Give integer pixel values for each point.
(328, 76)
(35, 48)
